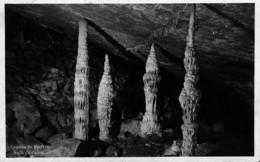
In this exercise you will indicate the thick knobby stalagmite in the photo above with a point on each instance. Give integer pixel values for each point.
(81, 85)
(190, 95)
(105, 102)
(151, 80)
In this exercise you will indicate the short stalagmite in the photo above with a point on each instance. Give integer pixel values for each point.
(151, 78)
(190, 95)
(81, 85)
(105, 102)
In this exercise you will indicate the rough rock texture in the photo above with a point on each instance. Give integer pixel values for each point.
(226, 58)
(39, 81)
(132, 24)
(151, 80)
(28, 140)
(105, 102)
(226, 51)
(57, 138)
(81, 85)
(131, 126)
(65, 148)
(113, 151)
(173, 150)
(27, 116)
(190, 95)
(50, 97)
(44, 133)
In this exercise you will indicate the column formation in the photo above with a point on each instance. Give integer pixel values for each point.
(151, 78)
(81, 85)
(105, 102)
(190, 95)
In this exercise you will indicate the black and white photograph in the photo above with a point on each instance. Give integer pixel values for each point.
(120, 80)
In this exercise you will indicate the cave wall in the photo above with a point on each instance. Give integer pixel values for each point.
(40, 69)
(40, 66)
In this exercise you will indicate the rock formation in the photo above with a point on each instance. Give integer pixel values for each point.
(131, 126)
(173, 150)
(105, 102)
(27, 116)
(151, 80)
(64, 148)
(190, 95)
(81, 85)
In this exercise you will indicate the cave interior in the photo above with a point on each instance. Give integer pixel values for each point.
(41, 43)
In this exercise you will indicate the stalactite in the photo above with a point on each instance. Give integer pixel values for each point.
(105, 102)
(151, 80)
(190, 95)
(81, 85)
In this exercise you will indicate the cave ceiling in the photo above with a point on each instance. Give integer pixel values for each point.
(225, 49)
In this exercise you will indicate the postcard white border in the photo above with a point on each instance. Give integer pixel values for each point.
(255, 158)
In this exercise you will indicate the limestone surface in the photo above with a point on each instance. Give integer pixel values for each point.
(81, 85)
(151, 80)
(105, 102)
(190, 95)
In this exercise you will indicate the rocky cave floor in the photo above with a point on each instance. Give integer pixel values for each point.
(128, 145)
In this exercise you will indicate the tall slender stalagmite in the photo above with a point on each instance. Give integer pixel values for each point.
(105, 102)
(151, 80)
(190, 95)
(81, 85)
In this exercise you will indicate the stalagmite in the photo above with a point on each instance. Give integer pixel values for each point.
(190, 95)
(81, 85)
(105, 102)
(151, 80)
